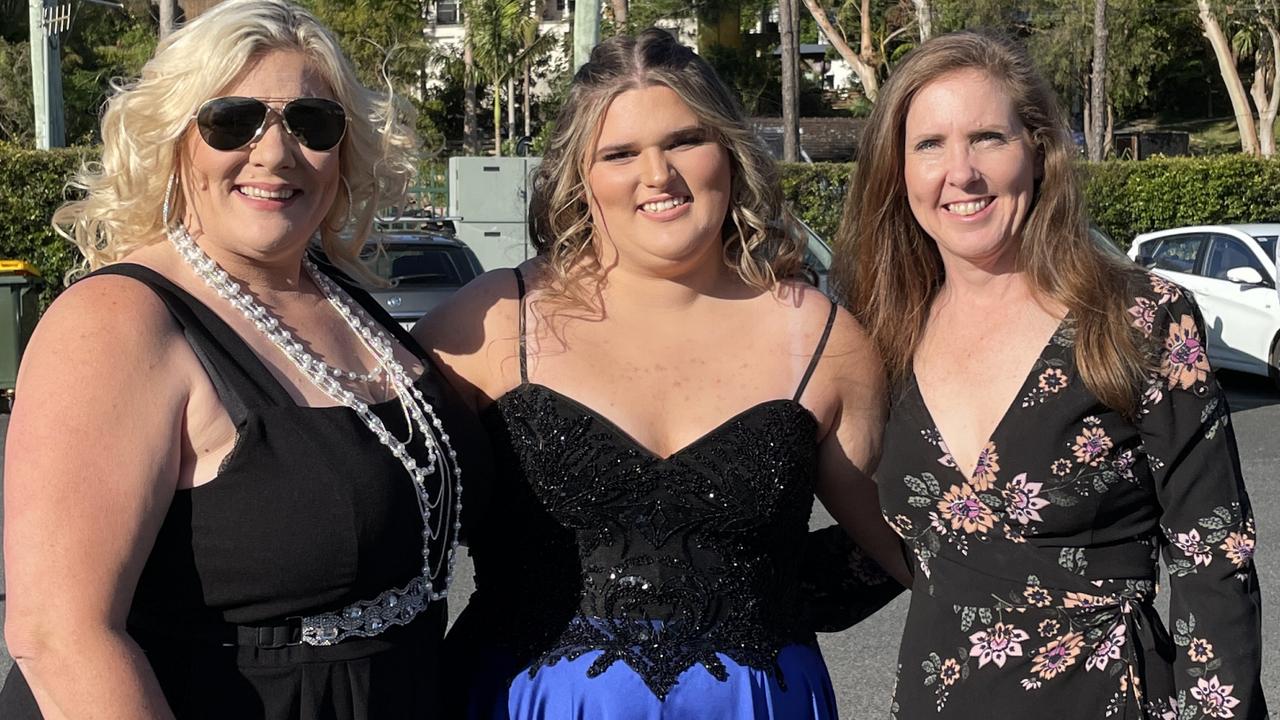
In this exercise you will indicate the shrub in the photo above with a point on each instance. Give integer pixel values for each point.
(33, 183)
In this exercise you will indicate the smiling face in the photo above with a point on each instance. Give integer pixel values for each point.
(660, 183)
(970, 168)
(265, 200)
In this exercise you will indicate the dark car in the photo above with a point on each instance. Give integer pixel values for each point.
(423, 265)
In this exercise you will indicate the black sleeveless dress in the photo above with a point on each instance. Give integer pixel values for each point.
(309, 514)
(614, 583)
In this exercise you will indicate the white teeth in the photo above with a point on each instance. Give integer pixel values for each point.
(968, 208)
(657, 207)
(266, 194)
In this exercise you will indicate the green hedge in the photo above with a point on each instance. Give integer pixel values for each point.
(32, 184)
(1125, 198)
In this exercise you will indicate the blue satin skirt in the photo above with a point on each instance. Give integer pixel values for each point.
(564, 691)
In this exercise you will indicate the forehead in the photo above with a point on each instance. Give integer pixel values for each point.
(644, 113)
(280, 74)
(962, 99)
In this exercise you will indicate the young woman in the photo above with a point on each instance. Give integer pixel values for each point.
(664, 401)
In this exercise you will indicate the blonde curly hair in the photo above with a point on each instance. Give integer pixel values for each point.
(761, 241)
(145, 120)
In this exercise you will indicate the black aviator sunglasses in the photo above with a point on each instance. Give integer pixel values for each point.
(230, 123)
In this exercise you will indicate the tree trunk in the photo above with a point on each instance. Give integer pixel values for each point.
(1266, 85)
(790, 93)
(470, 141)
(1097, 82)
(1108, 136)
(511, 109)
(924, 18)
(528, 102)
(863, 65)
(497, 119)
(619, 14)
(1230, 77)
(168, 15)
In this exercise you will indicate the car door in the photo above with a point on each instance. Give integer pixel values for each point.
(1244, 316)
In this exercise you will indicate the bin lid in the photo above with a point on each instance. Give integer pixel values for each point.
(20, 267)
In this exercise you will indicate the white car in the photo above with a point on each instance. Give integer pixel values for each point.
(1231, 271)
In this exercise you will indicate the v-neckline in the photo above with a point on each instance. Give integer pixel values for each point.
(1008, 410)
(652, 456)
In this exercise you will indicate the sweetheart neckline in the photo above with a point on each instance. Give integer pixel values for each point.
(630, 439)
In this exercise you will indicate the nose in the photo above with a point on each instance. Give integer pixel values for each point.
(654, 167)
(961, 170)
(275, 148)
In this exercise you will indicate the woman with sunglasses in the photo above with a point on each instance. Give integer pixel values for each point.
(665, 398)
(232, 483)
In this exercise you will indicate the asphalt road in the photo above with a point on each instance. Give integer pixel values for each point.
(862, 659)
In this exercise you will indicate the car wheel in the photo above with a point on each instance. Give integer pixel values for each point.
(1273, 368)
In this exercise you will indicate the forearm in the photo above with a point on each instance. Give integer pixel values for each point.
(90, 673)
(860, 518)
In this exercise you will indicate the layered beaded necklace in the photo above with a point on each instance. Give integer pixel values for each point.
(396, 606)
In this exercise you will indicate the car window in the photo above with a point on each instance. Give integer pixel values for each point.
(1268, 243)
(416, 265)
(1178, 253)
(1226, 253)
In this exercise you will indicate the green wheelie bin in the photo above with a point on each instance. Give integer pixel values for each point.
(20, 286)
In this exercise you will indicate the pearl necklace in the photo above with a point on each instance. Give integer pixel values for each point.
(396, 606)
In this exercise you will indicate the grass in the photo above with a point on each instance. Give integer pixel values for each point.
(1209, 136)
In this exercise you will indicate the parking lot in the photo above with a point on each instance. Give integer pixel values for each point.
(862, 660)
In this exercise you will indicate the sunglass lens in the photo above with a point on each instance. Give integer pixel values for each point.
(317, 123)
(231, 122)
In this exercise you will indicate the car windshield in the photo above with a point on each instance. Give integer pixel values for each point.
(1268, 243)
(412, 264)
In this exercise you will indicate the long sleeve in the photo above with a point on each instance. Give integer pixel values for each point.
(840, 586)
(1215, 605)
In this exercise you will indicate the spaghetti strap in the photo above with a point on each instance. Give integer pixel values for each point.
(240, 378)
(524, 363)
(817, 353)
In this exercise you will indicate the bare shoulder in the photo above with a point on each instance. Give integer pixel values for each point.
(460, 325)
(106, 316)
(106, 349)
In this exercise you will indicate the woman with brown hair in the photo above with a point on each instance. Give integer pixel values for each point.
(1053, 423)
(664, 401)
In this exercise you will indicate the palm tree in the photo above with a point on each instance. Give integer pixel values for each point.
(496, 36)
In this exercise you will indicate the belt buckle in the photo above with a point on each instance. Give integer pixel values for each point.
(278, 636)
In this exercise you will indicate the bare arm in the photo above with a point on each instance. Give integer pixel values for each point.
(851, 448)
(91, 463)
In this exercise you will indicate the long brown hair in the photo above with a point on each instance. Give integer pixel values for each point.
(889, 270)
(760, 242)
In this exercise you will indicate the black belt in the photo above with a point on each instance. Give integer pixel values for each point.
(263, 637)
(269, 637)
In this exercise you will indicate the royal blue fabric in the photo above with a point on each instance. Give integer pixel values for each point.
(564, 691)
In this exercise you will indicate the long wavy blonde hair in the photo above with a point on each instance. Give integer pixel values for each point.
(889, 270)
(759, 236)
(145, 120)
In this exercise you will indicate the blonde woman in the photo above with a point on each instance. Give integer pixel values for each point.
(664, 401)
(231, 482)
(1053, 425)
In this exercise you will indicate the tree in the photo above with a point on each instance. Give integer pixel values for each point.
(880, 25)
(864, 61)
(494, 36)
(787, 12)
(1256, 134)
(1098, 135)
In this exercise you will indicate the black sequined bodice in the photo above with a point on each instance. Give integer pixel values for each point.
(669, 561)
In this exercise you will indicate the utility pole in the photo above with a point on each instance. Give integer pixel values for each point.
(47, 20)
(586, 30)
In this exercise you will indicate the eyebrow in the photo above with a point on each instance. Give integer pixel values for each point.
(981, 130)
(677, 134)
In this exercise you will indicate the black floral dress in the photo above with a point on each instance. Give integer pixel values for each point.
(1035, 576)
